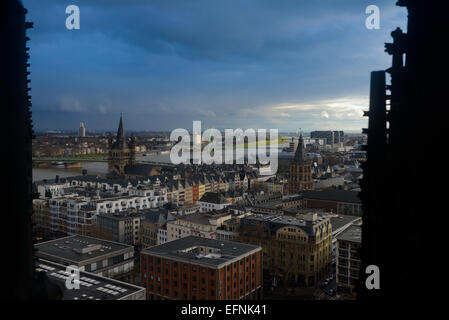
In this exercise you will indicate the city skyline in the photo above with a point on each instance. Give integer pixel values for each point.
(287, 65)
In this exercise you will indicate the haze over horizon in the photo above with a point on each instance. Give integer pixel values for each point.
(255, 63)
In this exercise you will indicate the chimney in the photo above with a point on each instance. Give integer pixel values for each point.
(311, 217)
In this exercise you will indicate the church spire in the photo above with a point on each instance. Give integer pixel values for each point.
(121, 129)
(299, 154)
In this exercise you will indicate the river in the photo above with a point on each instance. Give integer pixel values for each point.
(98, 168)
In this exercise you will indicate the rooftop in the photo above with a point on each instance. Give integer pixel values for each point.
(299, 220)
(213, 197)
(121, 215)
(92, 286)
(341, 221)
(203, 218)
(78, 248)
(352, 234)
(333, 195)
(202, 251)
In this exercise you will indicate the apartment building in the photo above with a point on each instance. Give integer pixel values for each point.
(123, 227)
(153, 220)
(212, 201)
(75, 214)
(200, 225)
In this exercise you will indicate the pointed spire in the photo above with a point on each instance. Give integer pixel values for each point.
(299, 154)
(121, 129)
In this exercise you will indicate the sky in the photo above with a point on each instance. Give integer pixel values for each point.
(284, 64)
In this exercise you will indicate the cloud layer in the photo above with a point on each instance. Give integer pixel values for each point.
(251, 63)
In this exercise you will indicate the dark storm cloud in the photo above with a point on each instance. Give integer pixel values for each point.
(229, 63)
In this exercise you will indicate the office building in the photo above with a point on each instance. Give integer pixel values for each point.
(194, 268)
(333, 138)
(105, 258)
(91, 286)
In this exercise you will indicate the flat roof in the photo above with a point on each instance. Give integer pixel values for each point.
(288, 220)
(203, 218)
(352, 234)
(341, 221)
(121, 215)
(92, 286)
(187, 249)
(333, 195)
(79, 248)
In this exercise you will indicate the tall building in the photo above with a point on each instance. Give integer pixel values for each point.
(399, 232)
(82, 130)
(194, 268)
(333, 138)
(348, 257)
(300, 171)
(122, 151)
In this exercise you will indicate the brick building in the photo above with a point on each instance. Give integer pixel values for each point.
(344, 202)
(194, 268)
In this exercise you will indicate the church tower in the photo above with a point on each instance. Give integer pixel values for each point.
(300, 171)
(122, 151)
